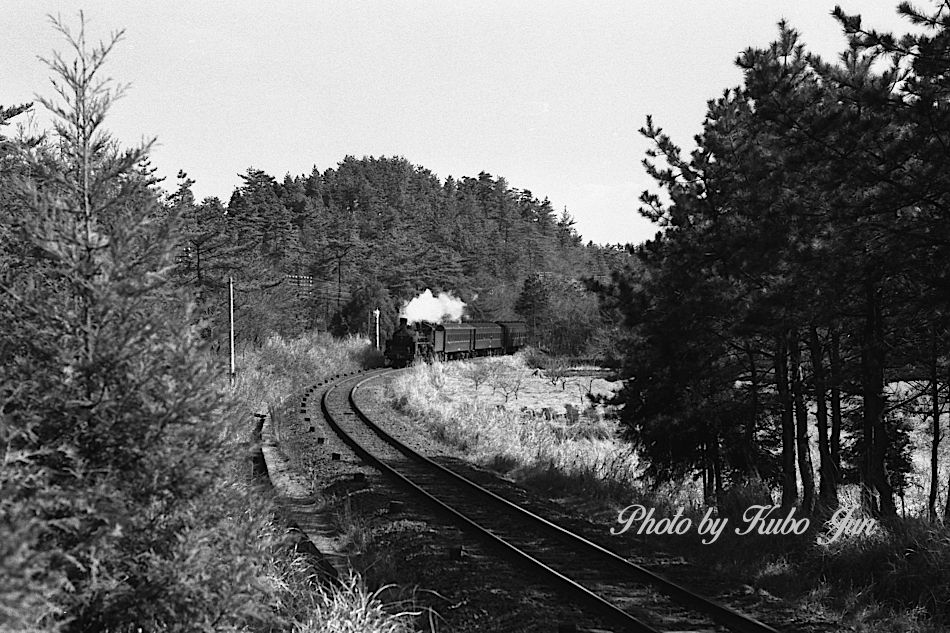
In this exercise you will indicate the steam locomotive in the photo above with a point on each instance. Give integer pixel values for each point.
(446, 341)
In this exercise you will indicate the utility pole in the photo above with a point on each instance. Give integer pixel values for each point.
(376, 314)
(231, 323)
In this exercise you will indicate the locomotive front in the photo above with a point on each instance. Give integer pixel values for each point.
(401, 348)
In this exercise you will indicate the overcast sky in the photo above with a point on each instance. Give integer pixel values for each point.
(549, 95)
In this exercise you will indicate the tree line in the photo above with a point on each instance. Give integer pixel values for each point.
(802, 273)
(375, 232)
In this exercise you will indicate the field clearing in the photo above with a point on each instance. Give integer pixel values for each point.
(536, 392)
(541, 431)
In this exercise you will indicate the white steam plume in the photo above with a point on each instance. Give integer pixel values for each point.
(426, 307)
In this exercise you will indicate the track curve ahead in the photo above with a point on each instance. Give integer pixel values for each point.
(614, 590)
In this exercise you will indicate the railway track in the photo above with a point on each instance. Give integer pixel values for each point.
(618, 593)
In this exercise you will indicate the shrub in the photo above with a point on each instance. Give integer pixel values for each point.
(534, 358)
(904, 566)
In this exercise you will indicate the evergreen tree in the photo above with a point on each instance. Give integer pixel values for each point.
(534, 305)
(110, 510)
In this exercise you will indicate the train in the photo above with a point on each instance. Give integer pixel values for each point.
(449, 341)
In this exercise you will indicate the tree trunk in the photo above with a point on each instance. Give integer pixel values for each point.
(707, 495)
(198, 267)
(716, 460)
(789, 483)
(872, 385)
(835, 358)
(935, 444)
(751, 465)
(828, 484)
(946, 509)
(805, 468)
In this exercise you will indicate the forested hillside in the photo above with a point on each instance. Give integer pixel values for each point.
(805, 266)
(322, 250)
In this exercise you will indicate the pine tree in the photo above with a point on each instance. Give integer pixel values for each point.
(534, 305)
(110, 510)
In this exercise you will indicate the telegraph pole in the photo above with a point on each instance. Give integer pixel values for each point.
(376, 314)
(231, 323)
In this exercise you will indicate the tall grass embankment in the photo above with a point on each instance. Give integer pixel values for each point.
(267, 377)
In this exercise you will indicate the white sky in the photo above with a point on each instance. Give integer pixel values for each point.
(549, 95)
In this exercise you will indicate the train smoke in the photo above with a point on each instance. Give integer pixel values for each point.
(436, 309)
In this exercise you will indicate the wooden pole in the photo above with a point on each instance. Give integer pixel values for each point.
(376, 314)
(231, 323)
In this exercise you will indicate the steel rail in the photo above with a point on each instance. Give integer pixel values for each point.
(603, 608)
(720, 613)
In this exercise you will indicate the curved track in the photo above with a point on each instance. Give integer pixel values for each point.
(617, 592)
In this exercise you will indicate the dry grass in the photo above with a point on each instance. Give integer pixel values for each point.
(903, 567)
(494, 412)
(267, 378)
(352, 608)
(269, 375)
